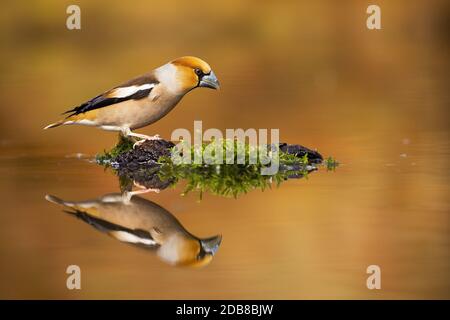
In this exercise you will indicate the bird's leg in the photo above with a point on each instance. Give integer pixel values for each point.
(144, 138)
(127, 132)
(127, 195)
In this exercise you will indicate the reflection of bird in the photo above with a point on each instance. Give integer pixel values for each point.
(142, 100)
(143, 223)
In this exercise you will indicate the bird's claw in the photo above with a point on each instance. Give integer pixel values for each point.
(142, 187)
(127, 195)
(138, 143)
(155, 137)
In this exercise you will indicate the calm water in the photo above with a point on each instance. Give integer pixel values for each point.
(310, 238)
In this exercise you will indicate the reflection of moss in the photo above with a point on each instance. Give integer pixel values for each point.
(330, 163)
(123, 145)
(224, 180)
(139, 165)
(232, 179)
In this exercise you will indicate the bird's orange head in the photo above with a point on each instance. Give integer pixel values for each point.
(193, 72)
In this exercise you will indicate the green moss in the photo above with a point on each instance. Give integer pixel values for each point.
(123, 145)
(330, 164)
(231, 179)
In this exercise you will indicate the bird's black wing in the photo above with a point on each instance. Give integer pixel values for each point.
(134, 89)
(137, 237)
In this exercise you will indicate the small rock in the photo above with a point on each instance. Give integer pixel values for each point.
(300, 151)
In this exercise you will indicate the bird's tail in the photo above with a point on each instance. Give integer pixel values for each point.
(55, 200)
(89, 207)
(54, 125)
(61, 202)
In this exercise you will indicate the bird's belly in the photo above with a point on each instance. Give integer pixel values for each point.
(135, 113)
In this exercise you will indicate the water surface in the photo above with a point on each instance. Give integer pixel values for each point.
(309, 238)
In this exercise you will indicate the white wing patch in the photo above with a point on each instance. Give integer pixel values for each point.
(128, 91)
(131, 238)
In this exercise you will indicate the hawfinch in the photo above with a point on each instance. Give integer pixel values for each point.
(144, 224)
(142, 100)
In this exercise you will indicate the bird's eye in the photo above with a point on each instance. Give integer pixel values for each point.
(198, 72)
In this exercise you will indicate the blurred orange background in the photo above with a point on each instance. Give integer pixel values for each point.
(376, 100)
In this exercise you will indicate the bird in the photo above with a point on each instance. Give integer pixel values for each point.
(143, 223)
(142, 100)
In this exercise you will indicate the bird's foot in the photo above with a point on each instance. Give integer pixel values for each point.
(138, 143)
(142, 187)
(127, 195)
(155, 137)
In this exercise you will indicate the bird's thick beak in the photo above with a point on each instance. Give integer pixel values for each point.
(211, 245)
(209, 81)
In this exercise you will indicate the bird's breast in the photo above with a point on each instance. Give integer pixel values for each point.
(139, 113)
